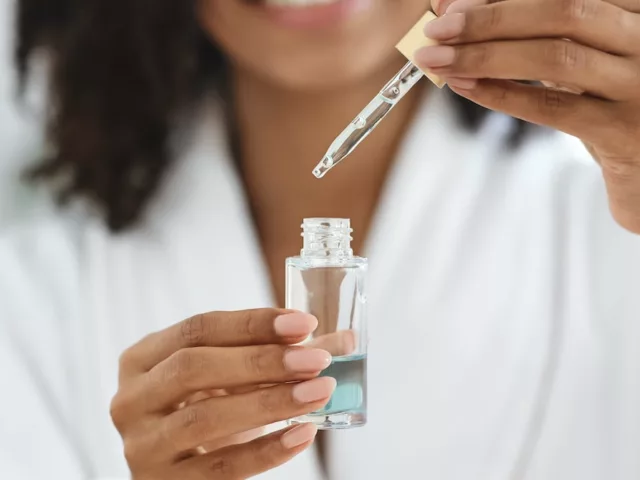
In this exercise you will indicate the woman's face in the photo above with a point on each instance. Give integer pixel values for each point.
(310, 44)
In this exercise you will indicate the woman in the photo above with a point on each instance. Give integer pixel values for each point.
(503, 301)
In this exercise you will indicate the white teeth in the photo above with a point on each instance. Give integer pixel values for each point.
(298, 3)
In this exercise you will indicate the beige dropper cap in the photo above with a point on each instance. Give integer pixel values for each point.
(415, 39)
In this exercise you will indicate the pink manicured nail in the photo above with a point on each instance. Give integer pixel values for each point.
(299, 435)
(445, 28)
(314, 390)
(435, 56)
(462, 83)
(306, 360)
(295, 324)
(440, 6)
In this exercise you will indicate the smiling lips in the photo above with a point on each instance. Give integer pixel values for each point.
(298, 3)
(312, 13)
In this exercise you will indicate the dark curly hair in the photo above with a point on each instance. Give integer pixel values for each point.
(123, 72)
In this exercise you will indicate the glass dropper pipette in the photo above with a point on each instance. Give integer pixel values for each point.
(369, 118)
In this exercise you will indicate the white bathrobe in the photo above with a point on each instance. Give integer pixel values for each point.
(504, 312)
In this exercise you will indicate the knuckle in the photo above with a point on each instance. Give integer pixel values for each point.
(183, 367)
(195, 330)
(249, 324)
(268, 402)
(194, 419)
(621, 172)
(266, 454)
(476, 57)
(502, 96)
(257, 363)
(494, 17)
(264, 362)
(126, 360)
(221, 467)
(196, 424)
(562, 55)
(486, 19)
(551, 102)
(118, 411)
(573, 11)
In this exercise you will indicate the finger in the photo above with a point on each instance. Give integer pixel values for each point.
(595, 23)
(628, 5)
(243, 437)
(219, 329)
(236, 439)
(557, 60)
(193, 369)
(440, 7)
(217, 418)
(249, 459)
(337, 344)
(576, 115)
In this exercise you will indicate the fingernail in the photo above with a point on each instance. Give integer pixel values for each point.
(435, 56)
(299, 435)
(295, 324)
(440, 6)
(460, 6)
(445, 28)
(314, 390)
(462, 83)
(306, 360)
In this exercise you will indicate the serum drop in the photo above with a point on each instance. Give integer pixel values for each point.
(328, 281)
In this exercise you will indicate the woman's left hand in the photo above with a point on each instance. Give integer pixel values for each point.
(589, 50)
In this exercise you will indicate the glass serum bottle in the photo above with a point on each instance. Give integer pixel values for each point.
(329, 282)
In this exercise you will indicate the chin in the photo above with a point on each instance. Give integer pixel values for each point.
(323, 71)
(310, 44)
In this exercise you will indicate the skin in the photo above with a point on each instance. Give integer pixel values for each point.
(289, 109)
(190, 405)
(498, 41)
(182, 417)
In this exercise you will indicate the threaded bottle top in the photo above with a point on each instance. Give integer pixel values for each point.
(326, 237)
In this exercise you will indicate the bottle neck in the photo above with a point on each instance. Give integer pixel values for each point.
(326, 238)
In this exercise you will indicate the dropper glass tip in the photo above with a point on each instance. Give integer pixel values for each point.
(323, 167)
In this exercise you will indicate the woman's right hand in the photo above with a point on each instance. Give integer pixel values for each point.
(187, 393)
